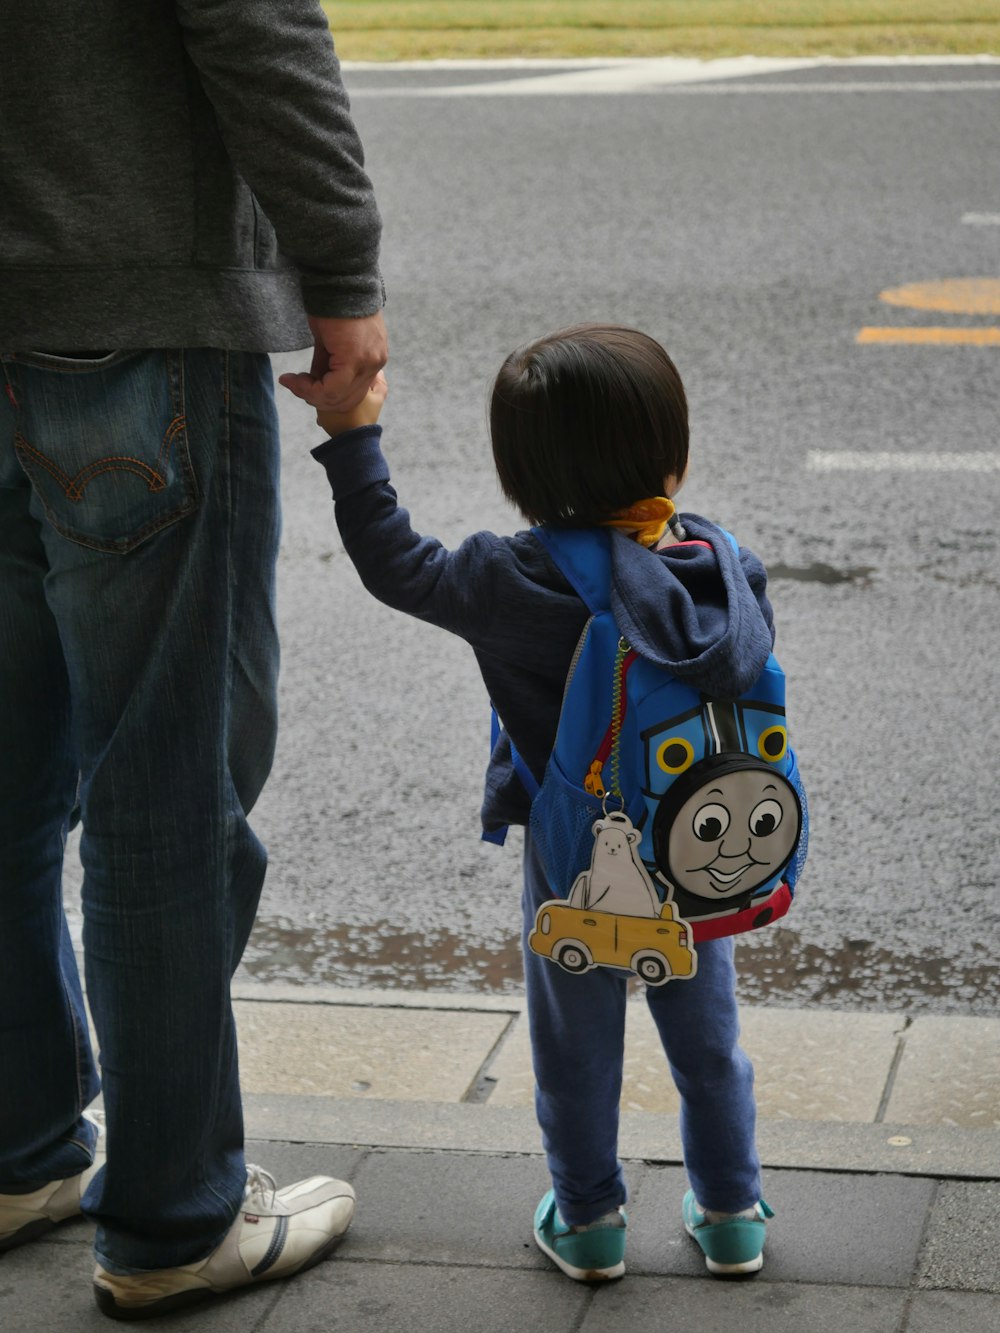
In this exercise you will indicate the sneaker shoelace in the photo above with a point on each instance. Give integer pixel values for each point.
(260, 1184)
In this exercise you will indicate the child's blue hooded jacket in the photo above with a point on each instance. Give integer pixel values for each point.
(703, 614)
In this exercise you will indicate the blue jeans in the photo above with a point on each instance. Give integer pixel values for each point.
(139, 526)
(577, 1025)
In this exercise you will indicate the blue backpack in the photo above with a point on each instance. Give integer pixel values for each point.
(664, 817)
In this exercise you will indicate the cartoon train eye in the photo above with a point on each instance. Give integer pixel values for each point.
(772, 744)
(675, 754)
(765, 818)
(711, 822)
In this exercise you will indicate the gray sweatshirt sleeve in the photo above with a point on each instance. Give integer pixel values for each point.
(270, 71)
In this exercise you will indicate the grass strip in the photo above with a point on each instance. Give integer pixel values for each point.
(429, 29)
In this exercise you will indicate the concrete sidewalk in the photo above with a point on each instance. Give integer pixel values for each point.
(880, 1138)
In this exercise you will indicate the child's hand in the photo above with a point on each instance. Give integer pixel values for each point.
(366, 413)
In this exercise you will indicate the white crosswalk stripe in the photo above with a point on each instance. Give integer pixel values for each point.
(846, 460)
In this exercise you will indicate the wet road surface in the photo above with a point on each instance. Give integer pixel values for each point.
(752, 232)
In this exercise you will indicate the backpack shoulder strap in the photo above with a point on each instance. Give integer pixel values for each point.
(525, 776)
(583, 555)
(524, 773)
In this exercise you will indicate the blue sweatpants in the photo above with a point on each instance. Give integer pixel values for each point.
(577, 1025)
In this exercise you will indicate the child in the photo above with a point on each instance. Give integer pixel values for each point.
(589, 426)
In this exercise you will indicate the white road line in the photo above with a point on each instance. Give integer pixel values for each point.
(740, 65)
(847, 460)
(670, 74)
(841, 86)
(982, 219)
(614, 77)
(590, 85)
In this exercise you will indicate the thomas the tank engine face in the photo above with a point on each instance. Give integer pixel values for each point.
(732, 833)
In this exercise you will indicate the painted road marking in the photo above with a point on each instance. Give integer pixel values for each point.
(591, 84)
(856, 86)
(541, 78)
(941, 337)
(847, 460)
(742, 64)
(951, 296)
(955, 296)
(982, 219)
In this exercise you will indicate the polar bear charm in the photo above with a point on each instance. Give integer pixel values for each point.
(617, 881)
(613, 917)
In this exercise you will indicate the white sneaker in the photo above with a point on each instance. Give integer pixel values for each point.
(25, 1216)
(277, 1233)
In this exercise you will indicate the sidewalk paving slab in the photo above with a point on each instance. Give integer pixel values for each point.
(811, 1064)
(407, 1298)
(652, 1305)
(334, 1050)
(962, 1248)
(949, 1073)
(818, 1065)
(953, 1312)
(442, 1243)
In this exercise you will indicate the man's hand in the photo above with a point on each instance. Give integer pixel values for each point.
(348, 355)
(365, 413)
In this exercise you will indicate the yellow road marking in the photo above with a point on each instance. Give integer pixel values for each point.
(956, 296)
(989, 337)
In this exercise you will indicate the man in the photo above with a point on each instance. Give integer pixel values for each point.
(181, 191)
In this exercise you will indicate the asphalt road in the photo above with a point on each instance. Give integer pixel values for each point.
(750, 223)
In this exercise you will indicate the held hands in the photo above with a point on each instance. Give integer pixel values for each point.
(347, 355)
(365, 413)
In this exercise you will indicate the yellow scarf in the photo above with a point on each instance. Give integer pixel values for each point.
(646, 521)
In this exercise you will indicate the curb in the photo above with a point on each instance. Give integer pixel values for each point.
(906, 1150)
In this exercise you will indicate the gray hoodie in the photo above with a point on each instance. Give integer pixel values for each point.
(154, 154)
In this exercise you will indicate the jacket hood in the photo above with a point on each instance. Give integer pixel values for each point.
(700, 611)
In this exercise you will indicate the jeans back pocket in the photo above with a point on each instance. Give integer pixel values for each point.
(104, 443)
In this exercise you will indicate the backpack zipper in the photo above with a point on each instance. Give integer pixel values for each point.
(594, 781)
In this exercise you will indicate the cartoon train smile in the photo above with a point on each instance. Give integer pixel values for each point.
(722, 829)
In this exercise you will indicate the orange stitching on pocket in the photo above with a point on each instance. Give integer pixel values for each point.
(176, 426)
(154, 482)
(20, 443)
(74, 487)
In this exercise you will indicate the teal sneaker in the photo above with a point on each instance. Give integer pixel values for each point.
(594, 1253)
(733, 1243)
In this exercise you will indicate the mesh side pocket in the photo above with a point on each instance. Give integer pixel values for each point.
(802, 848)
(561, 824)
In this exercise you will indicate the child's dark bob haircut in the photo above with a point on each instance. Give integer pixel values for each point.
(585, 422)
